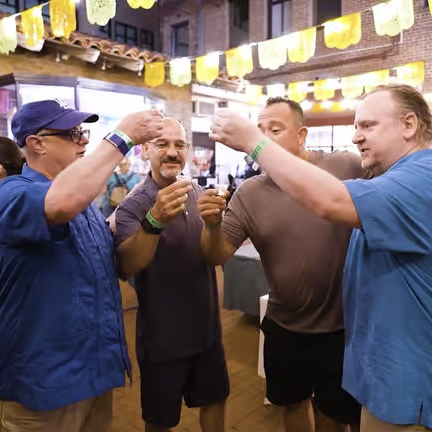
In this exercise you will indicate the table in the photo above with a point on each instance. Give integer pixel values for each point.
(244, 281)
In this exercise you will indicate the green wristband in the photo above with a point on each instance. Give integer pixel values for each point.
(259, 148)
(125, 138)
(154, 222)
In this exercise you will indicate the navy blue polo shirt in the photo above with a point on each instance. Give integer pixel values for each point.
(61, 326)
(178, 313)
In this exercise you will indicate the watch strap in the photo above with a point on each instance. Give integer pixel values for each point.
(120, 140)
(149, 228)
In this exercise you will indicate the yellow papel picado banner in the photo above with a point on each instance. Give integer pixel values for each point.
(390, 18)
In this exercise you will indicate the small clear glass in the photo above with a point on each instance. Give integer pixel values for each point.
(221, 189)
(181, 177)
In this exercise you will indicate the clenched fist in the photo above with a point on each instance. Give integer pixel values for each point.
(211, 207)
(142, 126)
(171, 201)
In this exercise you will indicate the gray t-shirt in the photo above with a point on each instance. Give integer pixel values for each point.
(302, 254)
(178, 313)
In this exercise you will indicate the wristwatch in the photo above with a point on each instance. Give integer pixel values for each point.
(149, 228)
(120, 140)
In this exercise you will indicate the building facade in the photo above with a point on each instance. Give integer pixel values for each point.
(221, 25)
(98, 69)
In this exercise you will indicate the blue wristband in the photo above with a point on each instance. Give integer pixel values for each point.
(120, 140)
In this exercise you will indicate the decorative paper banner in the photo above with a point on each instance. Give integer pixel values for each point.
(100, 11)
(302, 45)
(412, 74)
(374, 79)
(273, 53)
(298, 91)
(180, 72)
(8, 35)
(253, 93)
(154, 74)
(145, 4)
(342, 32)
(207, 68)
(239, 61)
(392, 17)
(324, 89)
(352, 86)
(63, 17)
(276, 90)
(33, 25)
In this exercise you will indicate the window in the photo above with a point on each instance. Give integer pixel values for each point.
(326, 10)
(147, 40)
(106, 30)
(180, 40)
(239, 22)
(45, 10)
(279, 17)
(126, 34)
(9, 6)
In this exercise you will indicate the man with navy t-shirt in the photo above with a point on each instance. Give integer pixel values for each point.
(388, 272)
(62, 343)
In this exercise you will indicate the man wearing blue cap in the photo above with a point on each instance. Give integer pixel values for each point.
(62, 343)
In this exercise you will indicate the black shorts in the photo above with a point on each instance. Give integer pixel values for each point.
(299, 365)
(200, 380)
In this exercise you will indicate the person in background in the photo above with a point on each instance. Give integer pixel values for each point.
(62, 342)
(119, 185)
(11, 158)
(388, 270)
(303, 258)
(179, 346)
(252, 168)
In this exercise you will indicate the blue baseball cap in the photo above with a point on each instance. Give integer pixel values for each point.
(47, 114)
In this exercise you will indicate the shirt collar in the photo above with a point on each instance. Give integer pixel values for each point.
(34, 175)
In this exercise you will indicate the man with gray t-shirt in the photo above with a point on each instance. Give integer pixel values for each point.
(303, 257)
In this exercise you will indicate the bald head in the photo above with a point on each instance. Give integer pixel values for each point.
(173, 126)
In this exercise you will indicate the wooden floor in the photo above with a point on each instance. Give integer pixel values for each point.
(246, 411)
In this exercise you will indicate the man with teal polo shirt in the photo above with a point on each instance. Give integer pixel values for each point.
(388, 272)
(62, 343)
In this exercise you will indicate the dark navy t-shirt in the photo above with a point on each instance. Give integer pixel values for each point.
(178, 314)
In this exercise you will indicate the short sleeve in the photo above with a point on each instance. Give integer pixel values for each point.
(130, 214)
(22, 212)
(395, 209)
(233, 223)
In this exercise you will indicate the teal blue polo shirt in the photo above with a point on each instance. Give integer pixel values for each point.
(388, 294)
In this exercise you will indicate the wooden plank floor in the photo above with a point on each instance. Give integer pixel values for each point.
(246, 411)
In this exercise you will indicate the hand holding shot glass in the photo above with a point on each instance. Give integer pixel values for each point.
(212, 204)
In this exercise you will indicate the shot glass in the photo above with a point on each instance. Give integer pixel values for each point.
(181, 177)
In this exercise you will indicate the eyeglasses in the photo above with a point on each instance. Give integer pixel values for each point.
(163, 146)
(74, 135)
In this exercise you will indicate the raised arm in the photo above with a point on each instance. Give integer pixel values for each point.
(75, 188)
(307, 184)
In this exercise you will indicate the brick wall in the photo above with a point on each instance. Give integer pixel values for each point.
(178, 100)
(215, 17)
(372, 53)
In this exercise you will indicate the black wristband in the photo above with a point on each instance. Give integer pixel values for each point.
(149, 228)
